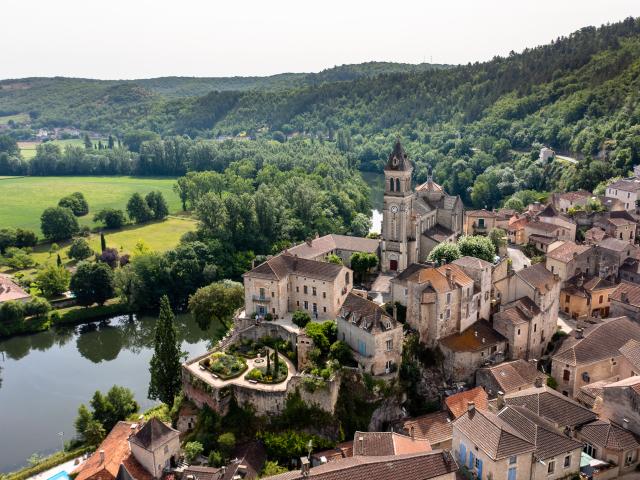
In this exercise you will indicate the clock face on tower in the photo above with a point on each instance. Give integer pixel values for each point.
(394, 209)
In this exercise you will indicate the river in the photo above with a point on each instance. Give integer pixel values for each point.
(44, 377)
(375, 180)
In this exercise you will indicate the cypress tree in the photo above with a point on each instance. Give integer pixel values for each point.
(165, 381)
(268, 372)
(276, 363)
(59, 261)
(103, 242)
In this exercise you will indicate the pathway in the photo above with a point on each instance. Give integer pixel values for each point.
(518, 259)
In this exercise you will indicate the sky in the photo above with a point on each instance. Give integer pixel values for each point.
(124, 39)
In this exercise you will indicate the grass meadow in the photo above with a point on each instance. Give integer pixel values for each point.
(23, 199)
(28, 149)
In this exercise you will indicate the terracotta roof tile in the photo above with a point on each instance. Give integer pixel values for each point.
(599, 342)
(631, 351)
(568, 251)
(480, 213)
(387, 443)
(154, 434)
(551, 405)
(616, 245)
(458, 402)
(421, 466)
(435, 427)
(437, 278)
(515, 375)
(324, 245)
(538, 277)
(9, 290)
(284, 264)
(629, 291)
(366, 314)
(519, 311)
(495, 437)
(478, 336)
(606, 434)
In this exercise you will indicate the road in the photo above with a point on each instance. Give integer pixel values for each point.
(518, 259)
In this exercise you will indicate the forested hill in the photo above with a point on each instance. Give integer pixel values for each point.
(474, 124)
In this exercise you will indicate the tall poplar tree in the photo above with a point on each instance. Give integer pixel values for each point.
(165, 364)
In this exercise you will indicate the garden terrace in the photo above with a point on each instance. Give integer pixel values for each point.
(266, 370)
(224, 365)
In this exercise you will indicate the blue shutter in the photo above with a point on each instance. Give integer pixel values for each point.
(463, 453)
(479, 462)
(512, 473)
(471, 459)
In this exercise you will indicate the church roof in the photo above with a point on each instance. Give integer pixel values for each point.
(398, 159)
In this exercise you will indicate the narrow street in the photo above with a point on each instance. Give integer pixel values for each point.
(518, 259)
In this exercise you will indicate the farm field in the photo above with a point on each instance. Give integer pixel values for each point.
(18, 118)
(25, 198)
(157, 236)
(28, 149)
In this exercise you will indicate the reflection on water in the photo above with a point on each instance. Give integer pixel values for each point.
(375, 181)
(44, 377)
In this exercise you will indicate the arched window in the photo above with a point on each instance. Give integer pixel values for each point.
(397, 184)
(391, 184)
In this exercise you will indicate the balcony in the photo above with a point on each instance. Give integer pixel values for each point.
(479, 228)
(260, 298)
(393, 246)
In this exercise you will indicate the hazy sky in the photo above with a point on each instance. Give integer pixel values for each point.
(145, 38)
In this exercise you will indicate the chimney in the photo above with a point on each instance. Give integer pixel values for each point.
(580, 281)
(309, 241)
(625, 423)
(412, 432)
(538, 382)
(471, 407)
(579, 334)
(624, 297)
(304, 466)
(447, 272)
(395, 312)
(500, 402)
(101, 457)
(556, 277)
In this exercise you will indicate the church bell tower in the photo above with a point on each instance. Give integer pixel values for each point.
(398, 197)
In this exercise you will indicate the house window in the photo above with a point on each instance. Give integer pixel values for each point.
(324, 309)
(389, 344)
(388, 365)
(567, 298)
(166, 449)
(552, 268)
(324, 294)
(297, 289)
(512, 474)
(567, 461)
(601, 298)
(346, 278)
(481, 222)
(566, 375)
(535, 327)
(262, 293)
(513, 459)
(590, 450)
(448, 314)
(313, 291)
(551, 467)
(306, 290)
(306, 305)
(628, 458)
(518, 331)
(448, 298)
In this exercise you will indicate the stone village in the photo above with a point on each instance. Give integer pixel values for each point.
(539, 361)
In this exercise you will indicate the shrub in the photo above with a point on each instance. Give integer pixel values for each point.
(300, 318)
(254, 374)
(76, 203)
(110, 257)
(11, 311)
(25, 238)
(53, 280)
(112, 218)
(80, 249)
(18, 258)
(192, 450)
(58, 223)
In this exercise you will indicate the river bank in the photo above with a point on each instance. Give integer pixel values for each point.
(44, 377)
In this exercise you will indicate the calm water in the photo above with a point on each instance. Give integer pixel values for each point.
(45, 377)
(376, 183)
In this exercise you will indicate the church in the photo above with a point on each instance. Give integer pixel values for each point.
(413, 222)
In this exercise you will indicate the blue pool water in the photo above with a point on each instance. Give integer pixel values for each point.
(60, 476)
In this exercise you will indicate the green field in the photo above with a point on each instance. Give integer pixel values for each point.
(28, 149)
(18, 118)
(25, 198)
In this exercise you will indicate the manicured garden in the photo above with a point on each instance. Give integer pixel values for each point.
(225, 365)
(271, 369)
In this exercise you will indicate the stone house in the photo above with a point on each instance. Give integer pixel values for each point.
(516, 229)
(594, 235)
(503, 216)
(625, 190)
(319, 248)
(521, 323)
(479, 222)
(155, 446)
(625, 300)
(562, 202)
(113, 458)
(556, 455)
(470, 349)
(630, 270)
(619, 225)
(381, 444)
(509, 377)
(286, 283)
(586, 296)
(11, 291)
(440, 301)
(630, 366)
(538, 229)
(482, 273)
(609, 442)
(374, 336)
(550, 215)
(570, 259)
(592, 353)
(621, 402)
(612, 254)
(491, 448)
(543, 288)
(544, 244)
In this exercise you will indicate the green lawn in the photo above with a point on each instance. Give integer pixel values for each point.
(28, 149)
(25, 198)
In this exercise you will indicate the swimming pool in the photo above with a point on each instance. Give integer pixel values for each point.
(60, 476)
